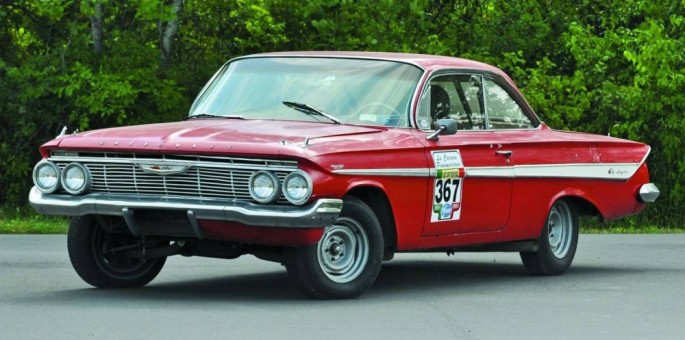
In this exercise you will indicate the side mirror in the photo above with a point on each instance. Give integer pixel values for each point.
(446, 126)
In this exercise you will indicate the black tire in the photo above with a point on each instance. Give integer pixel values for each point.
(347, 259)
(557, 242)
(88, 242)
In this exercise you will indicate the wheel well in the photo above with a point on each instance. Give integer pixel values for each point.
(376, 199)
(583, 206)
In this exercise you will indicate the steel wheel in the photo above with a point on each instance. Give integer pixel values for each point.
(346, 260)
(343, 250)
(557, 242)
(560, 229)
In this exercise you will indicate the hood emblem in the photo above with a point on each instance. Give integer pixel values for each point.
(164, 169)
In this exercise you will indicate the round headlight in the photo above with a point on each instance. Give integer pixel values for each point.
(75, 178)
(297, 187)
(264, 187)
(46, 176)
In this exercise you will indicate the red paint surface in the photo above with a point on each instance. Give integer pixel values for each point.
(230, 231)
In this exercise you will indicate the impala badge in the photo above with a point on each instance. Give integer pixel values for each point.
(163, 169)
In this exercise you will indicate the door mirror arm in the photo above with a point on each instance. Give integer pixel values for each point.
(445, 126)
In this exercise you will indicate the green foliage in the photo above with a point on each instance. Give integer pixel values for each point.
(610, 67)
(255, 27)
(23, 221)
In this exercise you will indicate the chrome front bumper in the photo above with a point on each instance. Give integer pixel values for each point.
(319, 213)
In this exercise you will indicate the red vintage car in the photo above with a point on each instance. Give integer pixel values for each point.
(330, 163)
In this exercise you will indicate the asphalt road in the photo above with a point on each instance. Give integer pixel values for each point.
(619, 287)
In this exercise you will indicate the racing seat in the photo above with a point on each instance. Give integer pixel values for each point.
(440, 103)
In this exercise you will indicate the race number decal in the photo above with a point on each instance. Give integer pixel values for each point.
(447, 186)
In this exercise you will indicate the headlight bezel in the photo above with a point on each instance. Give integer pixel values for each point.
(87, 179)
(308, 181)
(276, 186)
(36, 173)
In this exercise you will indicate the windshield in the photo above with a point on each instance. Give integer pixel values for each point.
(353, 91)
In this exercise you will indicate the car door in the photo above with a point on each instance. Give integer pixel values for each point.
(472, 170)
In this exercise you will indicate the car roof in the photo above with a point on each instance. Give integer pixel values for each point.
(424, 61)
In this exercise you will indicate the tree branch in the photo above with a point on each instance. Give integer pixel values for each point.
(96, 29)
(167, 32)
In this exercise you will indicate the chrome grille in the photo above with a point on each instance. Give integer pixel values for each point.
(205, 177)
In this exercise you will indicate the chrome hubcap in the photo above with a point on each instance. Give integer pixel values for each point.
(343, 250)
(560, 229)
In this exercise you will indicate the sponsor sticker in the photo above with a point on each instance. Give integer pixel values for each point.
(447, 186)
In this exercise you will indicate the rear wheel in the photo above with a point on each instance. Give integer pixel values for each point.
(347, 259)
(557, 242)
(99, 257)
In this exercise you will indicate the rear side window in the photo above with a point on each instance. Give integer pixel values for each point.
(503, 111)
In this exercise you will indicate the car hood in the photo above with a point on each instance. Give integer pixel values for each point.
(214, 135)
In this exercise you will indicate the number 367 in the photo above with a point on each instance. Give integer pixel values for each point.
(446, 190)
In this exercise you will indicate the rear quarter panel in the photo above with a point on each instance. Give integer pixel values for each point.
(605, 172)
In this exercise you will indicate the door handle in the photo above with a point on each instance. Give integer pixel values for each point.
(505, 153)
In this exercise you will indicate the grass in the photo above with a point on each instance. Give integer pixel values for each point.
(592, 225)
(35, 224)
(650, 229)
(32, 224)
(27, 221)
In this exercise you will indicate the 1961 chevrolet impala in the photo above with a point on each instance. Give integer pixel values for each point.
(330, 163)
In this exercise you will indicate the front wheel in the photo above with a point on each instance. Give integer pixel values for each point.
(557, 242)
(99, 259)
(347, 259)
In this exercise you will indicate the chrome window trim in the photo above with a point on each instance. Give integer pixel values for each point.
(483, 74)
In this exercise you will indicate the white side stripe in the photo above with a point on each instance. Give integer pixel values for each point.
(620, 171)
(617, 171)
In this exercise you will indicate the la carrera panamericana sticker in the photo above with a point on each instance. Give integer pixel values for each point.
(447, 186)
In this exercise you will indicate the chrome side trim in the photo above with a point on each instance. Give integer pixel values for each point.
(644, 159)
(490, 171)
(610, 171)
(403, 172)
(320, 213)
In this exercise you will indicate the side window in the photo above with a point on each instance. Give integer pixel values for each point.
(459, 97)
(503, 111)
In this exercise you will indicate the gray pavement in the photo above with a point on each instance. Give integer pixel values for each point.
(619, 287)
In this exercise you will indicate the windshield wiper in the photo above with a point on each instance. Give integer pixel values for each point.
(210, 115)
(310, 110)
